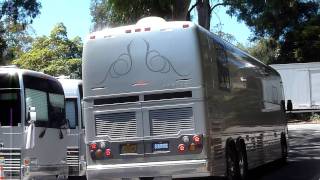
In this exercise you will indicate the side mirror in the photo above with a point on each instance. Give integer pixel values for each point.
(289, 105)
(32, 114)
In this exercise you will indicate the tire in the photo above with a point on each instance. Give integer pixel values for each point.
(284, 148)
(232, 161)
(242, 160)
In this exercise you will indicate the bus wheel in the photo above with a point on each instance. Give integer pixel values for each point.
(284, 148)
(232, 161)
(243, 161)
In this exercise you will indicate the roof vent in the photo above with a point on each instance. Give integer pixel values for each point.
(151, 20)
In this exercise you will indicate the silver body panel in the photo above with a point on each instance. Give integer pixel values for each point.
(177, 58)
(301, 83)
(76, 157)
(48, 154)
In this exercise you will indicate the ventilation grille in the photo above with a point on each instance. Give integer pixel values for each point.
(116, 125)
(170, 121)
(73, 159)
(11, 160)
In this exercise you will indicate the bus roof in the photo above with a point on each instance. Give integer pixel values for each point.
(143, 25)
(70, 87)
(12, 70)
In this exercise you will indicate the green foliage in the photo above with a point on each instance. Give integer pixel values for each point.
(55, 55)
(294, 24)
(302, 44)
(14, 17)
(266, 50)
(115, 12)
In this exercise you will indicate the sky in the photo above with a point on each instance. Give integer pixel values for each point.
(75, 15)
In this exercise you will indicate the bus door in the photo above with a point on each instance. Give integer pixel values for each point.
(75, 133)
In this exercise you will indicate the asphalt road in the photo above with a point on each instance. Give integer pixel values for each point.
(304, 156)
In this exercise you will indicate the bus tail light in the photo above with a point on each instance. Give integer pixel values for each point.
(185, 25)
(192, 147)
(181, 148)
(93, 146)
(147, 29)
(108, 153)
(26, 162)
(196, 139)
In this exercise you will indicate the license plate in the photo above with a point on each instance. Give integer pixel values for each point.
(160, 146)
(128, 148)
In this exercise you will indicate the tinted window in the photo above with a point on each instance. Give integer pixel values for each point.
(10, 107)
(222, 65)
(48, 99)
(9, 80)
(38, 99)
(72, 113)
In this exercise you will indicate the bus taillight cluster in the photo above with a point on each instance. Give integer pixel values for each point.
(99, 151)
(192, 146)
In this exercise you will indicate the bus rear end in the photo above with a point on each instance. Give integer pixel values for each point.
(143, 102)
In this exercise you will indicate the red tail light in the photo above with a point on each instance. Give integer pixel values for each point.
(93, 146)
(108, 152)
(197, 139)
(147, 29)
(181, 148)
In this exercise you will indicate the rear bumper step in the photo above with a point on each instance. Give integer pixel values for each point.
(174, 169)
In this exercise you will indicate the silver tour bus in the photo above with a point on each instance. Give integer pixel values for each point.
(75, 135)
(32, 125)
(172, 100)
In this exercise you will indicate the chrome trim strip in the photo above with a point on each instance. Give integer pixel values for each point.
(149, 164)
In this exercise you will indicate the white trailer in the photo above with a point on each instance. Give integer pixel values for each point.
(301, 83)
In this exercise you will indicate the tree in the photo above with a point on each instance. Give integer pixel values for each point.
(294, 24)
(115, 13)
(14, 17)
(55, 54)
(302, 44)
(265, 49)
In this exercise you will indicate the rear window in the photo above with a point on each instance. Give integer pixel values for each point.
(9, 80)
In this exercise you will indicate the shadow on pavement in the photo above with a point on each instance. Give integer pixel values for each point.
(304, 157)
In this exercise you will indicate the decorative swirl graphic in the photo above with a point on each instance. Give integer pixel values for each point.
(156, 62)
(115, 70)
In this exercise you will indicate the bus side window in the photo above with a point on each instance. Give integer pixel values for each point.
(222, 66)
(72, 113)
(56, 105)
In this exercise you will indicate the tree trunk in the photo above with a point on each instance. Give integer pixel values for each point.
(180, 9)
(203, 9)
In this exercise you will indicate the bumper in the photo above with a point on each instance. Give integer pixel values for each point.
(173, 169)
(29, 172)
